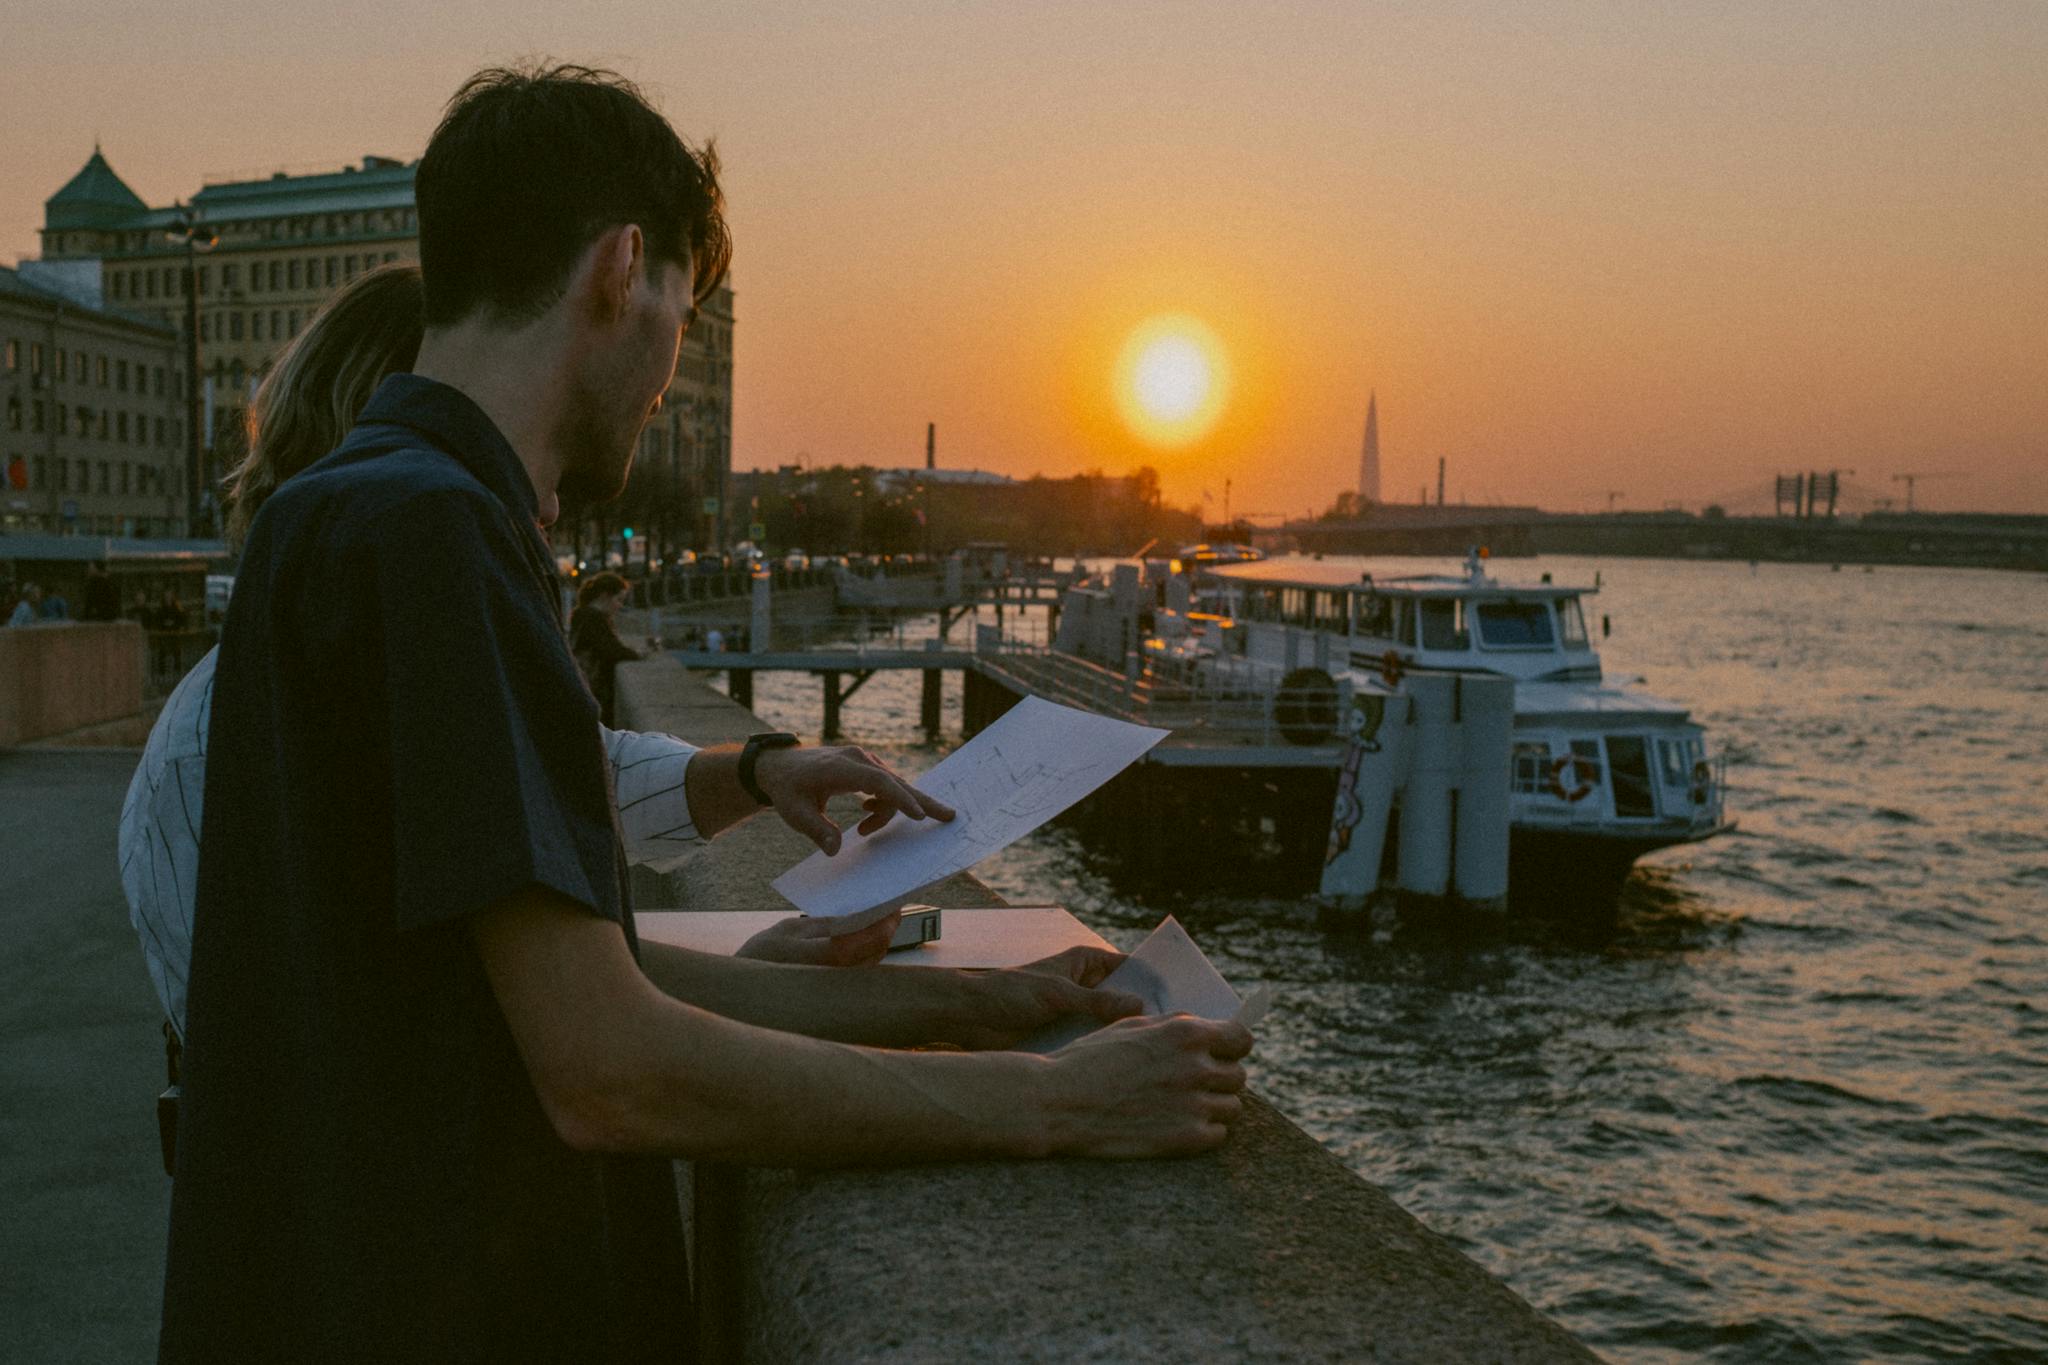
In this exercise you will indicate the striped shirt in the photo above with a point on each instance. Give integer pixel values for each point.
(160, 823)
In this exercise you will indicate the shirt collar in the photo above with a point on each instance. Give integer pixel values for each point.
(456, 425)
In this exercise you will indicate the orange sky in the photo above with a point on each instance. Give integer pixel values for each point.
(1667, 249)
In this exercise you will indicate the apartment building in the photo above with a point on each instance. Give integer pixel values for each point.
(91, 425)
(279, 244)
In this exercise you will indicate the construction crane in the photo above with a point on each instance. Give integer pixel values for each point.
(1910, 479)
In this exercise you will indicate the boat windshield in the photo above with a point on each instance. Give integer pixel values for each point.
(1571, 623)
(1443, 624)
(1515, 625)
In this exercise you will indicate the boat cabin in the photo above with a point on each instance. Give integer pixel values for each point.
(1527, 632)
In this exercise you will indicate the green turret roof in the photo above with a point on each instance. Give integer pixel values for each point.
(95, 197)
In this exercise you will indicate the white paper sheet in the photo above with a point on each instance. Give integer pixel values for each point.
(1172, 976)
(1033, 763)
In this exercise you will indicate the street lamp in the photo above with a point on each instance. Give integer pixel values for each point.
(197, 237)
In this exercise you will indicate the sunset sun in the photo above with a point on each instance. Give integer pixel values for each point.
(1171, 380)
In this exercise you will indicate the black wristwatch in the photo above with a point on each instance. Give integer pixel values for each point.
(751, 754)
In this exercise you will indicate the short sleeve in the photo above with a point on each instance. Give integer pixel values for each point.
(498, 773)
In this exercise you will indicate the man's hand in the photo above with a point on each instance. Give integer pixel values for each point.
(809, 941)
(1009, 1006)
(799, 781)
(1157, 1086)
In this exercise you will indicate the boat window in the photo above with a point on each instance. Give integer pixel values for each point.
(1531, 765)
(1332, 611)
(1571, 623)
(1294, 606)
(1628, 768)
(1375, 615)
(1262, 604)
(1514, 625)
(1404, 621)
(1676, 769)
(1443, 624)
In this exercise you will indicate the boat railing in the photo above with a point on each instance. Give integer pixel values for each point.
(1234, 704)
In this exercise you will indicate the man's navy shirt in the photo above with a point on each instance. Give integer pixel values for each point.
(400, 739)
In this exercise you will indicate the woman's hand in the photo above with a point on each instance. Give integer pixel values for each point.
(799, 781)
(1006, 1007)
(809, 942)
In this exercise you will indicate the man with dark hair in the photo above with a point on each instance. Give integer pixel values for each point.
(432, 1079)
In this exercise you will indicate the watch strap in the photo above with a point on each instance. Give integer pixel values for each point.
(750, 755)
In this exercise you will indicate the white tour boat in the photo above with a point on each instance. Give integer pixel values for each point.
(1602, 772)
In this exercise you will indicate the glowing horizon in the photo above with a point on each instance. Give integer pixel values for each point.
(1575, 249)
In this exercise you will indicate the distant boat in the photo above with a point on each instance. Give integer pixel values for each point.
(1602, 771)
(1207, 555)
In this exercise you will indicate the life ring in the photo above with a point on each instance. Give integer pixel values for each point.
(1584, 776)
(1305, 708)
(1702, 782)
(1391, 665)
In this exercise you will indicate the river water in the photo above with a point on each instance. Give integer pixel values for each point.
(1796, 1106)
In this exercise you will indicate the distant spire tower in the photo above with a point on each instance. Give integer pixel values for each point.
(1369, 458)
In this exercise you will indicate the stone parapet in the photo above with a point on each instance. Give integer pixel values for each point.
(66, 676)
(1269, 1249)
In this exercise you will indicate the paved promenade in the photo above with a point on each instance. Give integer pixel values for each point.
(83, 1198)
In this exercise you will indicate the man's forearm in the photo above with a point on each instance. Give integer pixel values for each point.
(712, 1089)
(879, 1007)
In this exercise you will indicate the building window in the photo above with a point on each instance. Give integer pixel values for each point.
(234, 327)
(85, 476)
(104, 425)
(171, 282)
(38, 418)
(106, 478)
(124, 477)
(204, 271)
(390, 256)
(291, 323)
(276, 325)
(81, 419)
(13, 355)
(121, 375)
(35, 357)
(276, 276)
(205, 328)
(37, 473)
(63, 476)
(348, 272)
(149, 280)
(114, 284)
(333, 269)
(63, 364)
(121, 427)
(81, 367)
(291, 280)
(228, 272)
(14, 413)
(99, 370)
(158, 375)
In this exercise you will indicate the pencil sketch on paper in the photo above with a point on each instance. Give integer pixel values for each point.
(1033, 763)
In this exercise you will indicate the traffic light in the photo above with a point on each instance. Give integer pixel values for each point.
(627, 533)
